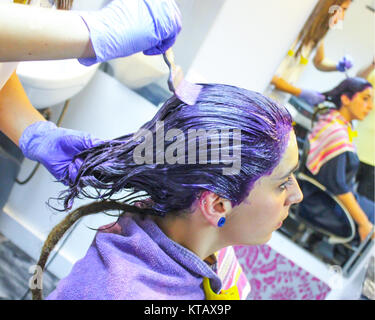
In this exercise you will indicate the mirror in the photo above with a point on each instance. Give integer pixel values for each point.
(335, 29)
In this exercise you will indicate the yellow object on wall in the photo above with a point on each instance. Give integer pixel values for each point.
(20, 1)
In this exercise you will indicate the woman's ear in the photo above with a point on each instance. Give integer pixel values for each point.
(213, 207)
(345, 100)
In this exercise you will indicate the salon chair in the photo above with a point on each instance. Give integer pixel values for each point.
(330, 235)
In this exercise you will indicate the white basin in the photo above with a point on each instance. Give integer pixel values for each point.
(51, 82)
(139, 70)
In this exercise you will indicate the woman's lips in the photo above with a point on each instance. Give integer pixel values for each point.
(281, 222)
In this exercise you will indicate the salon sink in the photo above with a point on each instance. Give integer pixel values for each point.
(139, 70)
(48, 83)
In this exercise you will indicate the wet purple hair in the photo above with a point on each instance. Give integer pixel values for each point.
(109, 168)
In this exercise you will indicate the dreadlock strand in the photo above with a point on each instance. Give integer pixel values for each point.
(58, 231)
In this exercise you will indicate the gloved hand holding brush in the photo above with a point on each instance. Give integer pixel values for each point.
(120, 29)
(125, 27)
(345, 63)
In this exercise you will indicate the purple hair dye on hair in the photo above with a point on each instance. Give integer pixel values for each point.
(109, 168)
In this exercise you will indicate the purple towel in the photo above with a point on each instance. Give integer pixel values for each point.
(136, 260)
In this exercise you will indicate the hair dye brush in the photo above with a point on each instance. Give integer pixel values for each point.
(187, 92)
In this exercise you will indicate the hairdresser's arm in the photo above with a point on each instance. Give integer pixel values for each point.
(321, 62)
(30, 33)
(351, 204)
(120, 29)
(324, 64)
(285, 86)
(309, 96)
(41, 140)
(16, 111)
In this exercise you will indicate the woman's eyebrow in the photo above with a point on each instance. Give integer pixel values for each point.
(289, 172)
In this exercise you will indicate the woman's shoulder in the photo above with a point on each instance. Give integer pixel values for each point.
(124, 262)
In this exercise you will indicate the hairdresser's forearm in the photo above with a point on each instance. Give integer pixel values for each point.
(353, 208)
(16, 111)
(321, 62)
(325, 65)
(30, 33)
(283, 85)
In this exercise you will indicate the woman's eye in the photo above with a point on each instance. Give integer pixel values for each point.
(287, 183)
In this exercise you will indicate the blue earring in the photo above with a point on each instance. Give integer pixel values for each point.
(221, 222)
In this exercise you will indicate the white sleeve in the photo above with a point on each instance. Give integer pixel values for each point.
(6, 70)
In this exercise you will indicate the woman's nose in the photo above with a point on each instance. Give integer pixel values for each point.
(296, 194)
(371, 104)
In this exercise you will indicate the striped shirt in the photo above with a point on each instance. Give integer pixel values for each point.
(330, 137)
(235, 285)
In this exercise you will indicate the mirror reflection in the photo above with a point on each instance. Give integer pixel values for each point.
(326, 82)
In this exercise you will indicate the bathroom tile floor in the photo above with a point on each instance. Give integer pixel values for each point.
(14, 273)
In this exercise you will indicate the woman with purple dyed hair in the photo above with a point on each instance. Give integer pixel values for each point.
(188, 198)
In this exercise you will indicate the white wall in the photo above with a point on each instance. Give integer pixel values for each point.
(198, 17)
(243, 46)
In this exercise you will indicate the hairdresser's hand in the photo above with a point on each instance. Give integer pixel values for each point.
(345, 63)
(311, 97)
(126, 27)
(55, 148)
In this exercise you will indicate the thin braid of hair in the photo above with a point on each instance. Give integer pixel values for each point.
(59, 230)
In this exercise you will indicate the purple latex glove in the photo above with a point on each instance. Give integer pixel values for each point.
(345, 63)
(125, 27)
(311, 97)
(55, 148)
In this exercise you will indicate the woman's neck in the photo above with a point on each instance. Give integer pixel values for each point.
(189, 233)
(346, 114)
